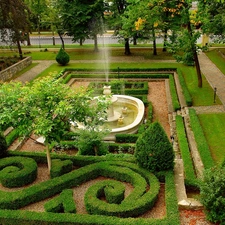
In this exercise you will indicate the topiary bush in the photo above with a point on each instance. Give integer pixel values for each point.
(3, 146)
(154, 151)
(62, 57)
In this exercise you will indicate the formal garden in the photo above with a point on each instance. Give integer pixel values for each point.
(130, 180)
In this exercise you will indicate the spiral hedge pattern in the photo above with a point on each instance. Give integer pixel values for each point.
(115, 204)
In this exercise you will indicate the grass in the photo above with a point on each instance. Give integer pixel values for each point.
(56, 68)
(213, 128)
(88, 53)
(216, 57)
(201, 96)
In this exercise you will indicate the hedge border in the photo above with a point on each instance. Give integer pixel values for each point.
(200, 139)
(27, 217)
(190, 177)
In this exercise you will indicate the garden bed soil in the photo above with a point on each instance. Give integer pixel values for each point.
(157, 95)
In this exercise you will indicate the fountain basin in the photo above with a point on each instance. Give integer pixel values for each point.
(132, 127)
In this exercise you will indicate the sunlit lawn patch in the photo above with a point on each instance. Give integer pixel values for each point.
(213, 127)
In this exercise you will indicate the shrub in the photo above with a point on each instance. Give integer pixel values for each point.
(60, 167)
(62, 57)
(90, 143)
(212, 190)
(154, 150)
(3, 145)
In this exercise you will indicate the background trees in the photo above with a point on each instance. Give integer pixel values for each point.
(82, 19)
(13, 21)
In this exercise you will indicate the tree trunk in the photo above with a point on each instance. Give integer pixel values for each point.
(48, 158)
(135, 39)
(127, 47)
(53, 38)
(197, 65)
(19, 49)
(96, 150)
(81, 41)
(154, 42)
(95, 43)
(61, 38)
(28, 39)
(165, 39)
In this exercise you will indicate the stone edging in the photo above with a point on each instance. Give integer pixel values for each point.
(12, 70)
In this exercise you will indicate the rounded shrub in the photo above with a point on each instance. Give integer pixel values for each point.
(212, 189)
(62, 57)
(154, 151)
(3, 146)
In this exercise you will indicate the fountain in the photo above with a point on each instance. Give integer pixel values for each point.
(126, 104)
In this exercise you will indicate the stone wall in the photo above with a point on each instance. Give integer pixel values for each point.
(12, 70)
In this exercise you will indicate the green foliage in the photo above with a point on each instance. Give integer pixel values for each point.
(173, 91)
(213, 128)
(60, 167)
(63, 203)
(190, 177)
(185, 90)
(153, 149)
(212, 191)
(90, 142)
(17, 171)
(200, 139)
(121, 148)
(12, 201)
(126, 138)
(62, 57)
(3, 145)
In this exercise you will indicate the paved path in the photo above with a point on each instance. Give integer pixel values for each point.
(213, 75)
(32, 73)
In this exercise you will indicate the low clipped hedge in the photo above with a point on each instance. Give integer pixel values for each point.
(63, 202)
(121, 148)
(190, 177)
(10, 138)
(200, 139)
(173, 91)
(60, 167)
(126, 138)
(17, 171)
(138, 202)
(185, 90)
(130, 88)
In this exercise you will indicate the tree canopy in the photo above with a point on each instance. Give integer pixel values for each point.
(13, 21)
(46, 108)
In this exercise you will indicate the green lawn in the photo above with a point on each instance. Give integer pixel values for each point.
(201, 96)
(213, 127)
(216, 57)
(56, 68)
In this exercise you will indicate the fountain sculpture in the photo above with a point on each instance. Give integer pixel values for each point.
(113, 115)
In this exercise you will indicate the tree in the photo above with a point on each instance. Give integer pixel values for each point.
(117, 19)
(211, 15)
(153, 149)
(212, 194)
(82, 19)
(187, 36)
(46, 108)
(13, 21)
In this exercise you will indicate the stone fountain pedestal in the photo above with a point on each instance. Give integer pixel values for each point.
(111, 114)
